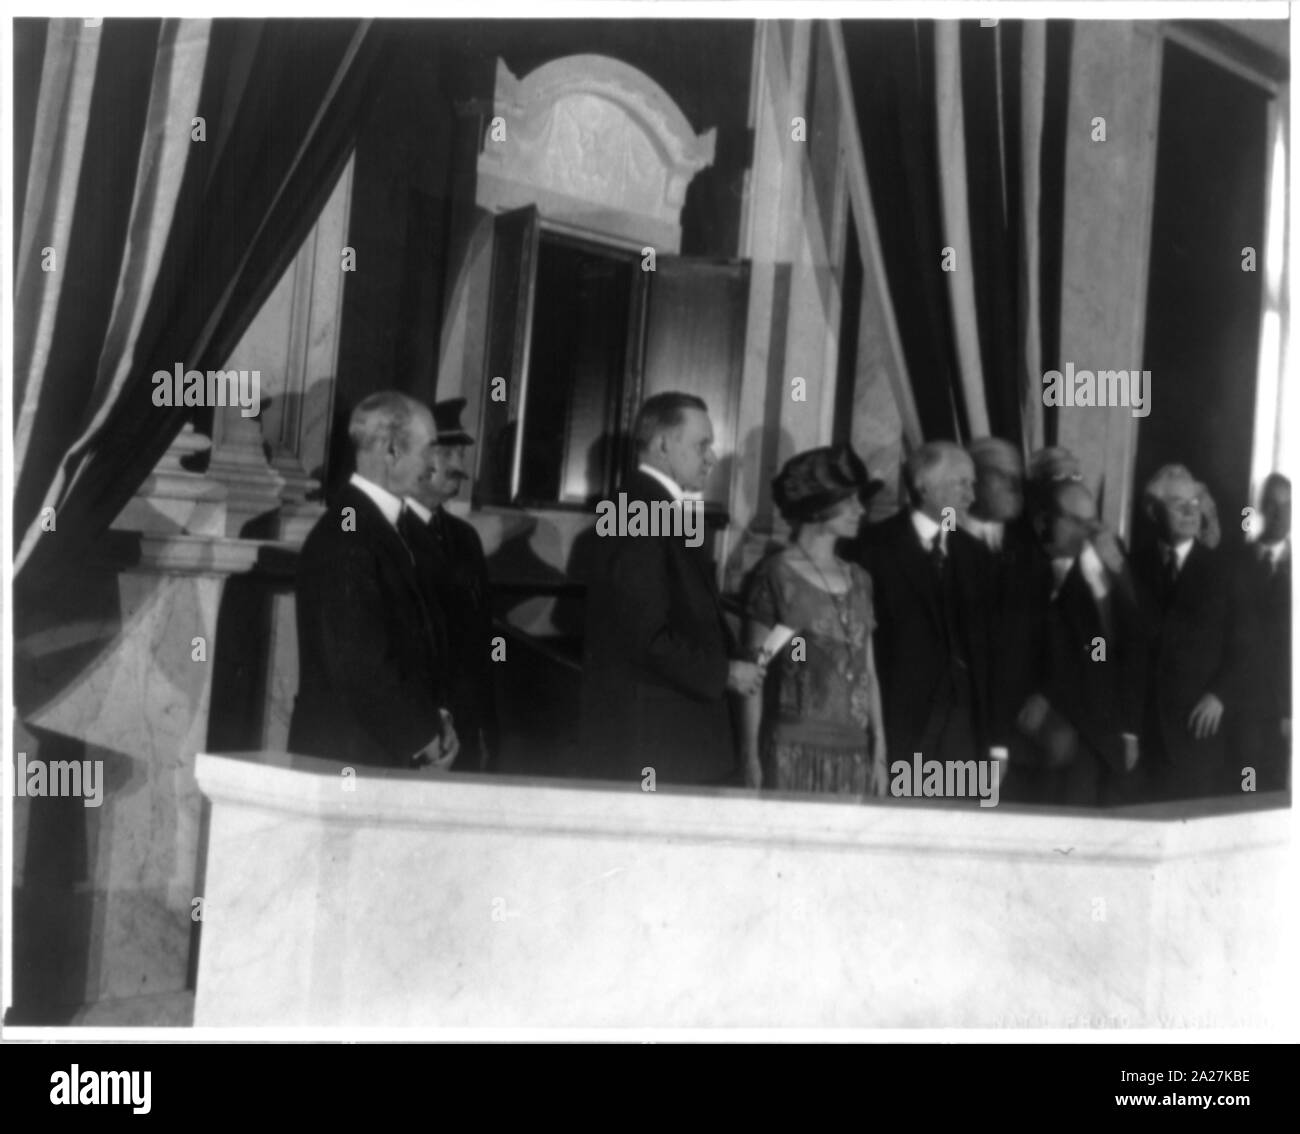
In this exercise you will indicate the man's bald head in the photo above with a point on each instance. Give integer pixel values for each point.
(1068, 519)
(940, 475)
(999, 479)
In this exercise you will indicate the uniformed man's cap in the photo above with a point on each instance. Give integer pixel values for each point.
(446, 422)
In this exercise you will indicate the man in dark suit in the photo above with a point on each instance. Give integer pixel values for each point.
(450, 560)
(657, 661)
(370, 679)
(932, 591)
(1262, 734)
(1020, 579)
(1197, 677)
(1086, 707)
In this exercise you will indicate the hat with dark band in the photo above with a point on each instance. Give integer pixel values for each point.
(446, 423)
(812, 482)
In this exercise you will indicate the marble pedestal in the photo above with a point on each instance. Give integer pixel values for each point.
(441, 901)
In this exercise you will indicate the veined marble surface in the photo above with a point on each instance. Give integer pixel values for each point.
(458, 900)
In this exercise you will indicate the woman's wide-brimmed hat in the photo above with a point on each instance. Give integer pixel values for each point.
(814, 481)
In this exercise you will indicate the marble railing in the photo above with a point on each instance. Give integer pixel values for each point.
(402, 899)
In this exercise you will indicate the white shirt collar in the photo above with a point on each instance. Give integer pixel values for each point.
(926, 528)
(678, 492)
(1094, 572)
(1060, 570)
(988, 532)
(419, 509)
(1181, 552)
(1091, 568)
(1277, 551)
(385, 501)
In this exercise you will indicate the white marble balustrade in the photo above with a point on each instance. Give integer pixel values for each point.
(459, 900)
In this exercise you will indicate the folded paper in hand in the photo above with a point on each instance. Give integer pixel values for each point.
(773, 644)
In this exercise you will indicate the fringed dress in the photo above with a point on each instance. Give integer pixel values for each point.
(816, 700)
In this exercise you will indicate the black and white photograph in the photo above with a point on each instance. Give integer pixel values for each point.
(696, 519)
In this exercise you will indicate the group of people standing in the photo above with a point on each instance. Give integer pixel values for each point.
(993, 617)
(392, 603)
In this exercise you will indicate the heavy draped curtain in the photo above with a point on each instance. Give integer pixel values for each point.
(166, 172)
(963, 129)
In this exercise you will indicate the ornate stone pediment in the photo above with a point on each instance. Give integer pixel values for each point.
(594, 143)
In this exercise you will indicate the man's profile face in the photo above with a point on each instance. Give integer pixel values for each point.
(949, 485)
(1275, 508)
(1073, 522)
(999, 494)
(410, 465)
(688, 450)
(445, 475)
(1178, 511)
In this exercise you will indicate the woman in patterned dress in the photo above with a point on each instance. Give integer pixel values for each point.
(816, 725)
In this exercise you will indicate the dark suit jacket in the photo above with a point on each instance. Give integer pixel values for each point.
(912, 654)
(368, 684)
(1100, 699)
(656, 659)
(1265, 598)
(1198, 646)
(1021, 581)
(451, 564)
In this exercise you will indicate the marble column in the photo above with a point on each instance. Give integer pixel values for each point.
(123, 682)
(1109, 190)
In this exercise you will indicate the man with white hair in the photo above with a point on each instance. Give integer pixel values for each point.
(371, 681)
(1196, 671)
(931, 588)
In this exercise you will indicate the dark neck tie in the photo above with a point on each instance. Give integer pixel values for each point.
(1171, 574)
(438, 529)
(938, 556)
(408, 529)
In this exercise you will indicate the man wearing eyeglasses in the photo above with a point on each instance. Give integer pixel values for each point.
(1085, 710)
(1197, 652)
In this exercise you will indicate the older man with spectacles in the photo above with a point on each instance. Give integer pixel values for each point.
(1196, 665)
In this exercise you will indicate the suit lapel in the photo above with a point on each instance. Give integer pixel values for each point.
(917, 568)
(383, 535)
(643, 487)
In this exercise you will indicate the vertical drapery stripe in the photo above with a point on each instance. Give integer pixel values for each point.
(167, 145)
(879, 321)
(1033, 87)
(956, 222)
(232, 230)
(62, 115)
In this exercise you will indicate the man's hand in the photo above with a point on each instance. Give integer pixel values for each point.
(1032, 714)
(441, 752)
(879, 774)
(1131, 750)
(1205, 717)
(744, 678)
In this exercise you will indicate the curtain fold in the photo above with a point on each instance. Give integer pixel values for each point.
(1033, 101)
(954, 192)
(963, 130)
(891, 71)
(54, 173)
(200, 232)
